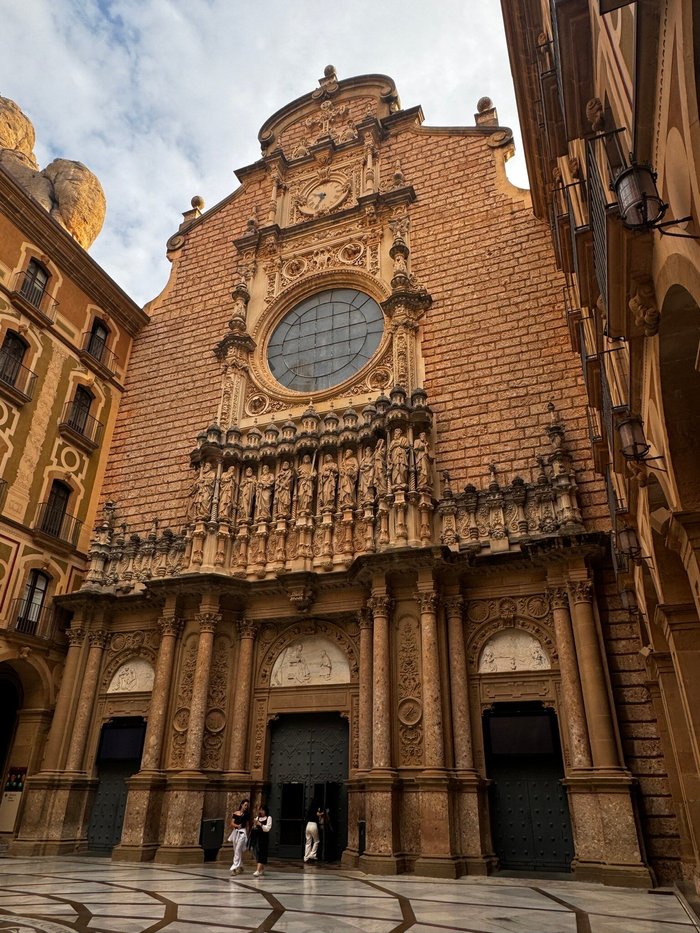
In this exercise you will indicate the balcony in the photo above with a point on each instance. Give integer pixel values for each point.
(614, 403)
(590, 359)
(619, 254)
(27, 618)
(80, 427)
(16, 381)
(55, 527)
(599, 445)
(94, 352)
(33, 300)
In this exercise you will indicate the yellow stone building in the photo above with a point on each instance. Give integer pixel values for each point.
(608, 99)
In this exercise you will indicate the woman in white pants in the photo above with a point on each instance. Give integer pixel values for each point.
(240, 825)
(312, 836)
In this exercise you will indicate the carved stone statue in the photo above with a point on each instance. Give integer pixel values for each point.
(263, 500)
(380, 468)
(423, 460)
(366, 470)
(283, 491)
(201, 494)
(246, 494)
(398, 459)
(305, 484)
(327, 482)
(227, 491)
(349, 468)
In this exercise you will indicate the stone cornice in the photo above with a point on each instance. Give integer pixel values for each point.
(37, 224)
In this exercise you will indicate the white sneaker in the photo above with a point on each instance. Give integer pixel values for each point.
(256, 874)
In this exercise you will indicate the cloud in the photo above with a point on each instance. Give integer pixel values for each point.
(163, 99)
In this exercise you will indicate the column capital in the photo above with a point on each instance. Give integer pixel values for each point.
(207, 621)
(75, 636)
(170, 625)
(364, 618)
(99, 638)
(454, 606)
(558, 597)
(380, 605)
(581, 591)
(427, 600)
(246, 628)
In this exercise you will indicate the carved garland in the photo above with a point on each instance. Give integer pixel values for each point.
(181, 716)
(301, 630)
(410, 698)
(215, 720)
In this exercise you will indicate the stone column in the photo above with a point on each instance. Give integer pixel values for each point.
(381, 683)
(185, 791)
(594, 687)
(207, 621)
(572, 697)
(241, 697)
(365, 708)
(433, 739)
(144, 803)
(459, 687)
(76, 753)
(52, 753)
(170, 627)
(379, 856)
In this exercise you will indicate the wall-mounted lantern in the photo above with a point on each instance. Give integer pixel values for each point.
(641, 206)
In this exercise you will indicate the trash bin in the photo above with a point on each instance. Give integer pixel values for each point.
(211, 838)
(361, 836)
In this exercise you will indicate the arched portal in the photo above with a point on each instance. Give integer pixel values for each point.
(679, 344)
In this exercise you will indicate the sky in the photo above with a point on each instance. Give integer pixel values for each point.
(163, 99)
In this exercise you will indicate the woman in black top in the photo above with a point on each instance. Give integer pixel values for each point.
(240, 827)
(261, 827)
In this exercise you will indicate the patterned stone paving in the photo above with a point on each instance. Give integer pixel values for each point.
(87, 895)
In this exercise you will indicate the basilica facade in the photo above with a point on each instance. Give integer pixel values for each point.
(353, 551)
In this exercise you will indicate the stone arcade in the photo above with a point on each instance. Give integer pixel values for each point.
(382, 583)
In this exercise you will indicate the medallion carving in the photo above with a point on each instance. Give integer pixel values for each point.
(183, 699)
(409, 693)
(215, 720)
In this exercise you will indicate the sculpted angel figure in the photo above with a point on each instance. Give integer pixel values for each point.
(327, 481)
(305, 484)
(226, 494)
(201, 494)
(423, 460)
(366, 469)
(349, 468)
(283, 491)
(263, 500)
(398, 459)
(380, 468)
(246, 494)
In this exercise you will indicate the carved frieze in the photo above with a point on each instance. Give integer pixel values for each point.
(529, 615)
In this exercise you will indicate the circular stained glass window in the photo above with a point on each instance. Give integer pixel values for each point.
(325, 339)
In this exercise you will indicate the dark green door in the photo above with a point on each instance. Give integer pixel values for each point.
(308, 767)
(530, 822)
(118, 757)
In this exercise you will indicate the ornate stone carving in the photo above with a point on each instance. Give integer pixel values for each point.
(296, 633)
(313, 660)
(98, 638)
(487, 617)
(380, 605)
(409, 693)
(427, 601)
(512, 649)
(644, 308)
(581, 591)
(208, 621)
(75, 636)
(558, 597)
(247, 628)
(134, 676)
(181, 716)
(259, 732)
(170, 625)
(215, 719)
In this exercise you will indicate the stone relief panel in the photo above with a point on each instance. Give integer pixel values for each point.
(512, 649)
(181, 716)
(215, 721)
(310, 662)
(409, 693)
(487, 618)
(134, 676)
(126, 648)
(299, 632)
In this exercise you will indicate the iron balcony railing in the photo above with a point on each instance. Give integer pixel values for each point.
(30, 618)
(54, 522)
(597, 212)
(96, 348)
(15, 375)
(75, 416)
(617, 501)
(36, 295)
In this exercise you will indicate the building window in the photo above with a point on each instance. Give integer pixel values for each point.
(32, 602)
(325, 339)
(54, 511)
(11, 355)
(97, 339)
(79, 410)
(36, 279)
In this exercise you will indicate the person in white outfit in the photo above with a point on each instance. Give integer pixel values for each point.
(240, 827)
(312, 834)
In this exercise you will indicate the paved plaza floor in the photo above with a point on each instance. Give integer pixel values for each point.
(90, 895)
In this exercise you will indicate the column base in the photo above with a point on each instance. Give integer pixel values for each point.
(134, 853)
(622, 876)
(55, 816)
(468, 793)
(184, 806)
(179, 855)
(434, 866)
(381, 864)
(144, 804)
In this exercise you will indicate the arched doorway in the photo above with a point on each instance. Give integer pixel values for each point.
(530, 821)
(308, 769)
(10, 704)
(118, 757)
